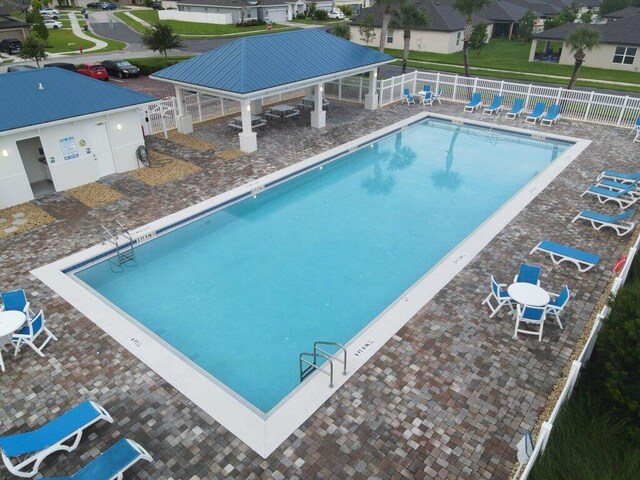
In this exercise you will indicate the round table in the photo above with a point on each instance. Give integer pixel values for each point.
(10, 321)
(528, 294)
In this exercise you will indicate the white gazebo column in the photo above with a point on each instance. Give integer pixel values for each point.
(532, 50)
(184, 122)
(371, 98)
(256, 107)
(318, 115)
(248, 139)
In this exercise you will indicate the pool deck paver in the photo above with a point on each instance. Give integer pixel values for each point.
(447, 397)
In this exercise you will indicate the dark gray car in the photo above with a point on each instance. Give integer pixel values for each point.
(121, 68)
(10, 46)
(20, 68)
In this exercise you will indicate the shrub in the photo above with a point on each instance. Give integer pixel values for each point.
(301, 16)
(251, 23)
(346, 9)
(321, 14)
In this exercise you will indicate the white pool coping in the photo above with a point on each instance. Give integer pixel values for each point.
(265, 432)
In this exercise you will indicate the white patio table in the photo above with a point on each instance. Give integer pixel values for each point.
(528, 294)
(10, 321)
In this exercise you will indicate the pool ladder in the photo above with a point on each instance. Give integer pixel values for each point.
(124, 250)
(309, 361)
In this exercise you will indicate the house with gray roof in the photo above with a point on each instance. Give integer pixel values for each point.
(620, 42)
(12, 28)
(443, 35)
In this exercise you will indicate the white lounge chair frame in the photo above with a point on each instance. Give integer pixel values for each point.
(28, 467)
(19, 340)
(622, 228)
(520, 319)
(507, 301)
(557, 259)
(624, 201)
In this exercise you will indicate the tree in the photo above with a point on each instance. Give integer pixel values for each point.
(608, 6)
(161, 38)
(388, 7)
(468, 8)
(366, 30)
(525, 26)
(33, 48)
(567, 15)
(40, 29)
(580, 41)
(407, 17)
(342, 30)
(478, 37)
(587, 17)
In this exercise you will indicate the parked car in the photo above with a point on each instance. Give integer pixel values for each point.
(10, 46)
(157, 5)
(93, 70)
(110, 6)
(336, 14)
(94, 5)
(20, 68)
(67, 66)
(55, 24)
(49, 16)
(121, 68)
(49, 11)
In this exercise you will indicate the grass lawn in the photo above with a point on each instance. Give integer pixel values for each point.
(151, 65)
(191, 28)
(511, 55)
(311, 21)
(61, 40)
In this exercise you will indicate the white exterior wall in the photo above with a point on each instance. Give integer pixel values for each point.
(199, 16)
(66, 174)
(421, 41)
(602, 57)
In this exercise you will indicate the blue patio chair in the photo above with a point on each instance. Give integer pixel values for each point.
(436, 96)
(112, 464)
(475, 102)
(599, 221)
(622, 177)
(624, 198)
(426, 88)
(528, 274)
(427, 98)
(408, 97)
(552, 115)
(16, 300)
(22, 453)
(498, 294)
(516, 109)
(537, 113)
(530, 317)
(558, 303)
(585, 261)
(495, 107)
(28, 334)
(636, 127)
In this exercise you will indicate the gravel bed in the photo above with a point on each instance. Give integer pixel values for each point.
(95, 194)
(21, 218)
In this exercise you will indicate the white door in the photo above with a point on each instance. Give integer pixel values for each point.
(98, 141)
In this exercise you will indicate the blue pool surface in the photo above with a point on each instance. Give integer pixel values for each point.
(243, 291)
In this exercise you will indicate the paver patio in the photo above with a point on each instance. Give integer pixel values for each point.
(447, 397)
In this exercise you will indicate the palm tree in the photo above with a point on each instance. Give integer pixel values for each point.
(580, 41)
(408, 16)
(468, 8)
(387, 10)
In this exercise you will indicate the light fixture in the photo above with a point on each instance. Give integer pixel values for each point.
(5, 152)
(321, 89)
(119, 126)
(249, 108)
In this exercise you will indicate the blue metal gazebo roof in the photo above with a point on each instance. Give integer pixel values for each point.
(263, 62)
(34, 97)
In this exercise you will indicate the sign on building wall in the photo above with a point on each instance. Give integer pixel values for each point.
(69, 148)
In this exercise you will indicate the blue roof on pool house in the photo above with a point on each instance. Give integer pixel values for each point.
(45, 95)
(256, 66)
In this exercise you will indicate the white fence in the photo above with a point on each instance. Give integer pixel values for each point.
(200, 17)
(602, 108)
(585, 354)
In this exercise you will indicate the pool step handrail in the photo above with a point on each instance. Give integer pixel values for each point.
(124, 250)
(307, 366)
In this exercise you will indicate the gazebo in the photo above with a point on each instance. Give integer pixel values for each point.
(252, 68)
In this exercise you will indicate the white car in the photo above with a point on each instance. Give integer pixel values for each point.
(51, 12)
(336, 14)
(53, 24)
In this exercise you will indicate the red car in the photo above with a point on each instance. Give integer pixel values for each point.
(93, 70)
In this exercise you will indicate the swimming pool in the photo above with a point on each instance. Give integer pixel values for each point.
(240, 292)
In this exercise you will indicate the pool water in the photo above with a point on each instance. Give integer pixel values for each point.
(243, 291)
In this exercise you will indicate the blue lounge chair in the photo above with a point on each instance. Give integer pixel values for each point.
(621, 177)
(496, 105)
(538, 112)
(516, 109)
(528, 274)
(552, 115)
(111, 464)
(475, 102)
(22, 453)
(498, 294)
(618, 186)
(625, 198)
(599, 221)
(530, 316)
(558, 302)
(585, 261)
(16, 300)
(408, 97)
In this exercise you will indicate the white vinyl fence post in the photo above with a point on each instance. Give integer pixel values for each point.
(455, 88)
(475, 84)
(199, 106)
(340, 88)
(501, 87)
(624, 106)
(586, 112)
(559, 95)
(360, 90)
(546, 427)
(526, 101)
(437, 82)
(222, 107)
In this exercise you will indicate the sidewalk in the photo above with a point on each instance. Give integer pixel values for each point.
(78, 32)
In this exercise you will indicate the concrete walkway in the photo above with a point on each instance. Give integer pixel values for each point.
(78, 32)
(138, 19)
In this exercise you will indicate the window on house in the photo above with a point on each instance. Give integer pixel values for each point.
(389, 36)
(458, 39)
(625, 55)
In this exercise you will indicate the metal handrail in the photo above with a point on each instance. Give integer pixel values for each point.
(304, 372)
(334, 344)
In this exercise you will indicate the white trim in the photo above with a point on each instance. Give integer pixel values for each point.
(264, 433)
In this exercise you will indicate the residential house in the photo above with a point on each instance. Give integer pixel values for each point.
(12, 28)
